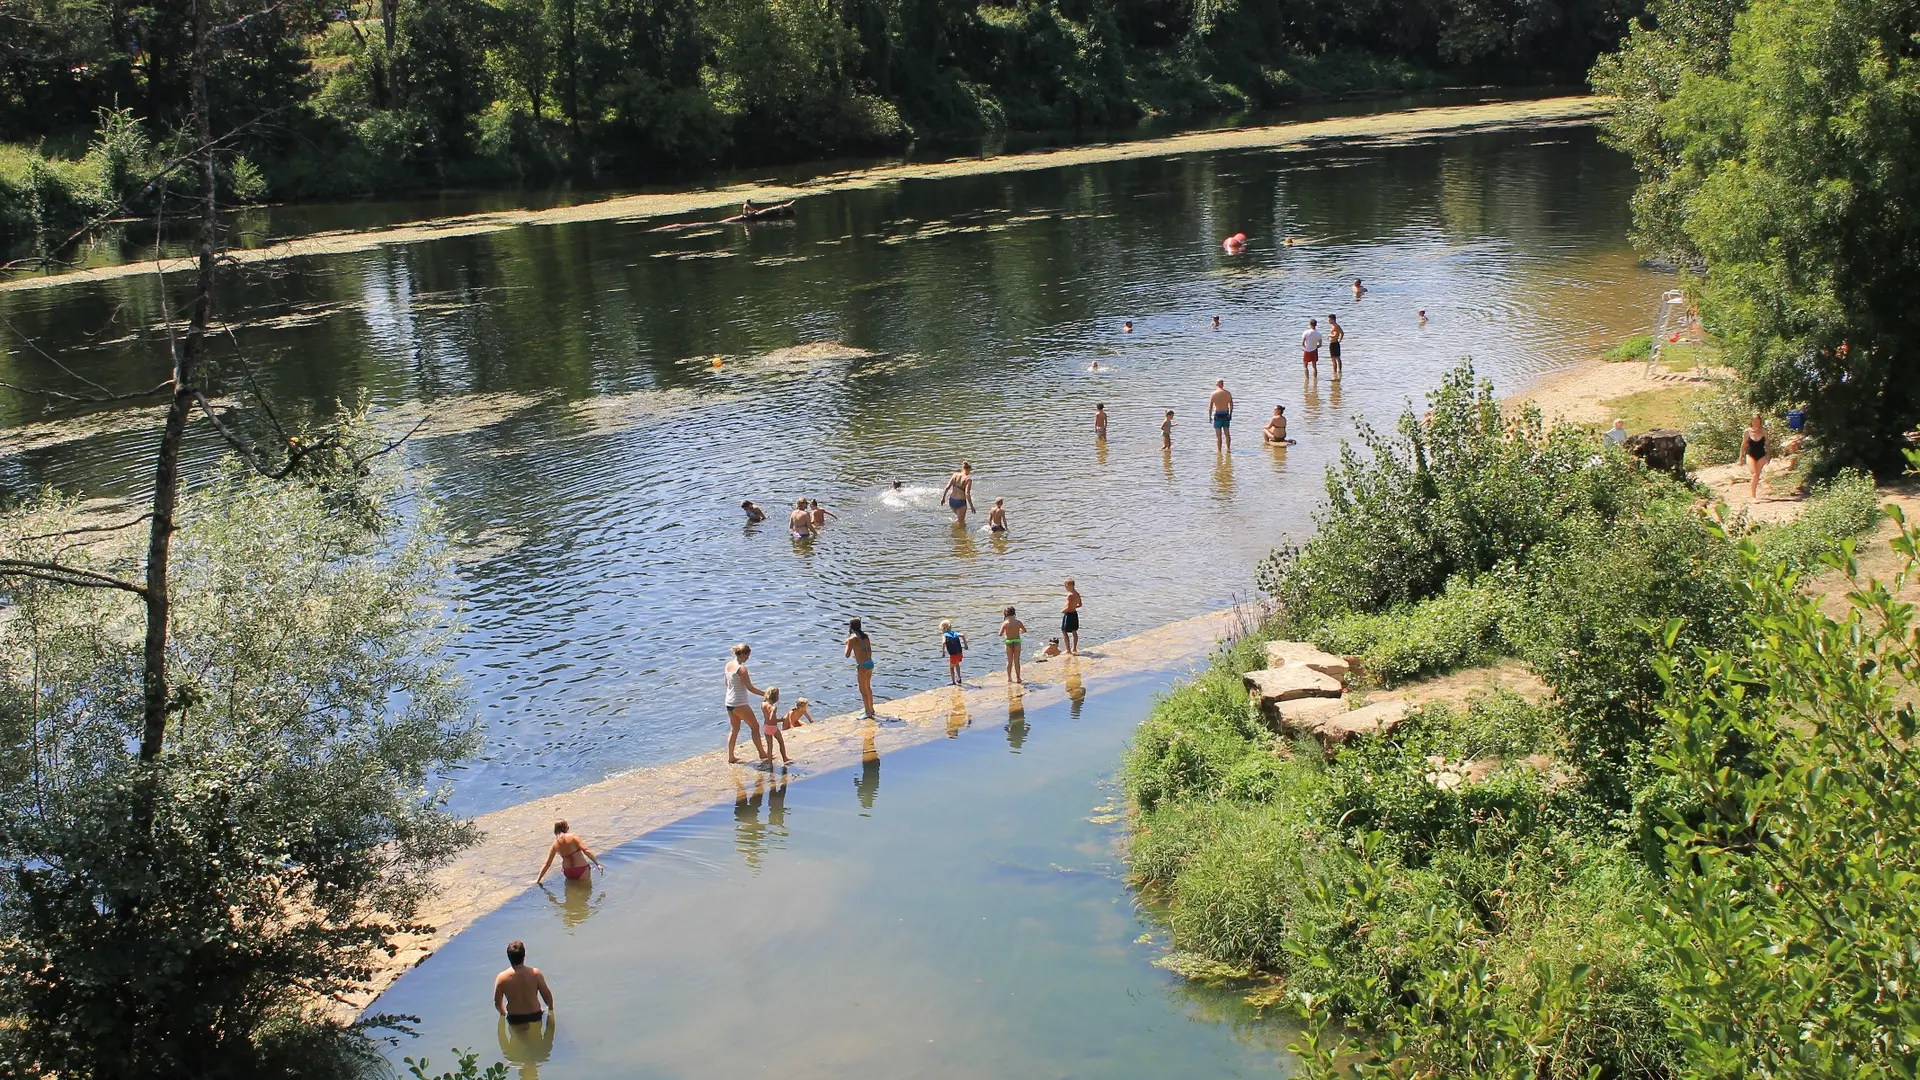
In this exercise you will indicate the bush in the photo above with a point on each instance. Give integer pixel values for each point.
(1460, 627)
(1638, 347)
(1839, 509)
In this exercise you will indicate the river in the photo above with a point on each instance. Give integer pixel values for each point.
(603, 397)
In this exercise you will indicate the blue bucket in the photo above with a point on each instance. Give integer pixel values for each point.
(1796, 419)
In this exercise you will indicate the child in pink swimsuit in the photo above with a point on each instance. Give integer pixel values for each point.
(770, 723)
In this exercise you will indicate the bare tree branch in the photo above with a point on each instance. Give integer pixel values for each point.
(77, 530)
(86, 399)
(61, 574)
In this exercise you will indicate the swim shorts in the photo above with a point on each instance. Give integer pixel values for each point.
(1333, 349)
(1311, 356)
(953, 659)
(525, 1018)
(1070, 621)
(1222, 419)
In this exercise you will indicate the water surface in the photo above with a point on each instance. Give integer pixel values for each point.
(597, 452)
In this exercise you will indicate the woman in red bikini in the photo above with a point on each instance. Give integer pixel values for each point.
(573, 854)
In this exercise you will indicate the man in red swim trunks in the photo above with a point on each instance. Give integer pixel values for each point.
(572, 852)
(1310, 348)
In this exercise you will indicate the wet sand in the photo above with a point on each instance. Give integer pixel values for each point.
(1382, 127)
(625, 807)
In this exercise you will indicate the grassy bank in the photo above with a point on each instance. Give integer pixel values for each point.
(1510, 924)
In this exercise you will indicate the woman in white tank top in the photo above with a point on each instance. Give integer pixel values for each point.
(739, 706)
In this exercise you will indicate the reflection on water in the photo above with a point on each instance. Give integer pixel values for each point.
(577, 900)
(592, 455)
(1016, 722)
(866, 785)
(975, 926)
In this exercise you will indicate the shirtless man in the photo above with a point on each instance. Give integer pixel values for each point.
(1359, 290)
(1310, 349)
(1100, 421)
(519, 991)
(1335, 335)
(1220, 404)
(800, 522)
(572, 853)
(1276, 429)
(1070, 619)
(959, 493)
(818, 514)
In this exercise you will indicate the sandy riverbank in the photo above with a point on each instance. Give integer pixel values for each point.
(1382, 127)
(625, 807)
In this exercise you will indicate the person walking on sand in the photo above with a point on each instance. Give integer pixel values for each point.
(1276, 429)
(1166, 431)
(1220, 404)
(954, 644)
(860, 648)
(739, 709)
(800, 522)
(770, 724)
(1100, 421)
(1010, 630)
(1310, 349)
(959, 493)
(1754, 450)
(997, 517)
(1070, 619)
(572, 853)
(520, 991)
(1335, 335)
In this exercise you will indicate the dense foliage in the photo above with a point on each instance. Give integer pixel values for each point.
(1593, 898)
(1778, 153)
(184, 917)
(332, 100)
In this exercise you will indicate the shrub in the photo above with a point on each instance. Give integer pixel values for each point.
(1460, 627)
(1638, 347)
(1839, 509)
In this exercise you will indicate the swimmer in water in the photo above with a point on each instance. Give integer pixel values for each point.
(1127, 327)
(1095, 366)
(1166, 431)
(817, 514)
(1289, 242)
(860, 650)
(1216, 322)
(1423, 316)
(1276, 429)
(897, 485)
(1100, 421)
(800, 522)
(959, 493)
(571, 851)
(997, 517)
(755, 515)
(1359, 290)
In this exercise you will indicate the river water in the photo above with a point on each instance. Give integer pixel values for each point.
(606, 395)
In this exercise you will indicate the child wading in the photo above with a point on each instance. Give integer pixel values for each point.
(955, 644)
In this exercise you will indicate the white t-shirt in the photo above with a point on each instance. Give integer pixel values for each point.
(1310, 341)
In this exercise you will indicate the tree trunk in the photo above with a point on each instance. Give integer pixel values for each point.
(186, 364)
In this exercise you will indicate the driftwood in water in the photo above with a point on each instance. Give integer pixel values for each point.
(777, 212)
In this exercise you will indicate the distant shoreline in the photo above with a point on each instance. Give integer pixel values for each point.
(1380, 127)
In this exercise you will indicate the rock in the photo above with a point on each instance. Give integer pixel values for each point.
(1331, 724)
(1284, 653)
(1661, 448)
(1448, 775)
(1290, 683)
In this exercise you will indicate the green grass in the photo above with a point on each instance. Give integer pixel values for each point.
(1667, 407)
(1637, 347)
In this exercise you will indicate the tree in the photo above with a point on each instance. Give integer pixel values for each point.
(1789, 172)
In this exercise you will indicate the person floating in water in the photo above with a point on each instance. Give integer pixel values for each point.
(1216, 322)
(1095, 366)
(997, 516)
(1010, 630)
(860, 649)
(1359, 290)
(1335, 335)
(1220, 404)
(571, 852)
(1166, 431)
(954, 644)
(1070, 618)
(959, 493)
(1100, 421)
(800, 522)
(755, 515)
(770, 725)
(1276, 429)
(1310, 349)
(1127, 327)
(817, 514)
(520, 991)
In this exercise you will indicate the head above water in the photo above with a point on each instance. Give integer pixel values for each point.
(746, 504)
(516, 953)
(897, 485)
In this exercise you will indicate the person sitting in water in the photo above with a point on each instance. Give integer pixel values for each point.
(801, 713)
(1276, 429)
(755, 515)
(800, 522)
(519, 991)
(747, 208)
(997, 517)
(572, 853)
(1053, 647)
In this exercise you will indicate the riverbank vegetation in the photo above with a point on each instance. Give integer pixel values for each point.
(321, 100)
(1638, 859)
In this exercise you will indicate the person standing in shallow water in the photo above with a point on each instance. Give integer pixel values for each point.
(1335, 335)
(860, 649)
(800, 521)
(1070, 619)
(740, 689)
(1220, 403)
(1310, 349)
(959, 493)
(520, 991)
(572, 853)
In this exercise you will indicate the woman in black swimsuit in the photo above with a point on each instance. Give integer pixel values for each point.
(1755, 452)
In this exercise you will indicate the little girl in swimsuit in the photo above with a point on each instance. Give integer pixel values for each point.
(771, 725)
(1010, 631)
(801, 713)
